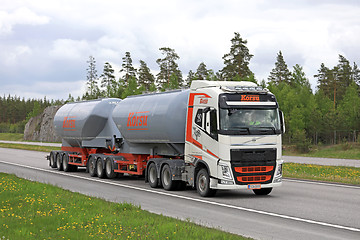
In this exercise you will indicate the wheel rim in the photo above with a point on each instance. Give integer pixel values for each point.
(99, 168)
(152, 174)
(65, 164)
(91, 165)
(58, 161)
(166, 176)
(52, 159)
(108, 167)
(202, 183)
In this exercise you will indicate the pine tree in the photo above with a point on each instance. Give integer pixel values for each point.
(168, 67)
(146, 78)
(108, 80)
(281, 72)
(237, 61)
(92, 80)
(299, 77)
(190, 77)
(127, 68)
(202, 72)
(356, 74)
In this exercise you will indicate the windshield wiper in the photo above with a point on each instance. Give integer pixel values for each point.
(268, 128)
(243, 129)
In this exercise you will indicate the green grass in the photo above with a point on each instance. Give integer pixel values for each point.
(348, 175)
(12, 136)
(29, 147)
(30, 210)
(345, 150)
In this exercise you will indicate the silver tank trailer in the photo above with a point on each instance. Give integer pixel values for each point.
(81, 122)
(153, 118)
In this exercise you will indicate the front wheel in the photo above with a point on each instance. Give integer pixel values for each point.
(203, 184)
(262, 191)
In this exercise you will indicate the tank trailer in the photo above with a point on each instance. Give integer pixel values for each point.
(215, 135)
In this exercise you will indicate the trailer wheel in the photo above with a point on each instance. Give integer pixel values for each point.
(166, 179)
(100, 171)
(203, 184)
(109, 168)
(52, 160)
(58, 162)
(152, 176)
(92, 166)
(262, 191)
(65, 163)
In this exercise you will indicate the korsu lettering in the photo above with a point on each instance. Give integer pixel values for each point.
(250, 98)
(137, 121)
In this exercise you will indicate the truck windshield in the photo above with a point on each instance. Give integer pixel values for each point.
(236, 121)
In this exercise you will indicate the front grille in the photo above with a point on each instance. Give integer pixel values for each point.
(253, 165)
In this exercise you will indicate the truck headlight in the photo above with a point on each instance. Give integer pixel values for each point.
(226, 173)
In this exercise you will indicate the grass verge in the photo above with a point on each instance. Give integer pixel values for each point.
(345, 150)
(338, 174)
(29, 147)
(31, 210)
(12, 136)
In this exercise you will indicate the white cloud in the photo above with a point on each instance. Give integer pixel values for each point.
(21, 15)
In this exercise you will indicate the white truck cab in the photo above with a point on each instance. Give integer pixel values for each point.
(233, 137)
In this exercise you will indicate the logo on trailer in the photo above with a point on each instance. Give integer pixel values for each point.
(250, 98)
(137, 121)
(69, 124)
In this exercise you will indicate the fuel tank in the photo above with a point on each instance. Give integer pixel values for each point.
(153, 118)
(84, 121)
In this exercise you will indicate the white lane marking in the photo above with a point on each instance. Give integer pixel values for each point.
(320, 183)
(194, 199)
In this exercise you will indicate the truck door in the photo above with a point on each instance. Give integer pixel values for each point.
(210, 137)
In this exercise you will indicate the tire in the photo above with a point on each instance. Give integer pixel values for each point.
(59, 165)
(92, 166)
(65, 163)
(52, 162)
(109, 168)
(152, 176)
(100, 170)
(166, 179)
(262, 191)
(203, 184)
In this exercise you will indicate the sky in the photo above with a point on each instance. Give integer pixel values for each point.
(45, 45)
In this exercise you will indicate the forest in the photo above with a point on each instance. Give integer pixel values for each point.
(330, 115)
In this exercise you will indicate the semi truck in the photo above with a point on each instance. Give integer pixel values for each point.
(214, 135)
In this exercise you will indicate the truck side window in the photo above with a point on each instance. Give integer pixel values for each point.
(213, 124)
(199, 118)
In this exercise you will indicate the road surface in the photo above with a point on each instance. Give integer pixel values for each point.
(297, 210)
(294, 159)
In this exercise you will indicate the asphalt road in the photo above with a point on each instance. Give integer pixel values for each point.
(294, 159)
(297, 210)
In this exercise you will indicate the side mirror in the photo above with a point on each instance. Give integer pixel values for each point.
(282, 122)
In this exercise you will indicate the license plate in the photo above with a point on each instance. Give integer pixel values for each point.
(254, 186)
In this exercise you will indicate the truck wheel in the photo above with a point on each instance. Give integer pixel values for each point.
(52, 160)
(58, 162)
(100, 171)
(262, 191)
(109, 168)
(166, 179)
(92, 166)
(203, 184)
(152, 176)
(65, 163)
